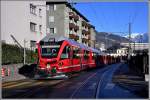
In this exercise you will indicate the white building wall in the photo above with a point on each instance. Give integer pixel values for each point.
(16, 18)
(66, 21)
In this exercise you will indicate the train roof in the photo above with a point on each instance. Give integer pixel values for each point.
(70, 41)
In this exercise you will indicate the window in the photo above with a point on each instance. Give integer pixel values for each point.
(52, 30)
(50, 51)
(86, 54)
(76, 52)
(52, 7)
(40, 11)
(32, 26)
(32, 9)
(65, 53)
(51, 18)
(32, 43)
(40, 28)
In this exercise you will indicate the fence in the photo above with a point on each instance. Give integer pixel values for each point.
(10, 72)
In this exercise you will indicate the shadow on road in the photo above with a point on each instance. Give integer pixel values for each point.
(28, 70)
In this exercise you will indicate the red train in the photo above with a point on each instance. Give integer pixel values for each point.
(59, 55)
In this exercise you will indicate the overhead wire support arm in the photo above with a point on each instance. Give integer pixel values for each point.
(16, 41)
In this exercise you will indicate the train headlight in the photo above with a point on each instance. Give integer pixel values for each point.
(60, 63)
(48, 66)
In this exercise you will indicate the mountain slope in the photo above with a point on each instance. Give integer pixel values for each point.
(138, 37)
(110, 39)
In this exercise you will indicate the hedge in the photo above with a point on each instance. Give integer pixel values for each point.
(12, 54)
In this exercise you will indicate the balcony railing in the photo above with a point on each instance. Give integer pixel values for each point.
(71, 15)
(72, 36)
(76, 27)
(77, 37)
(76, 17)
(83, 23)
(85, 40)
(71, 25)
(84, 32)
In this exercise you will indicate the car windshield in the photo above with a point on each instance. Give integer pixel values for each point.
(49, 51)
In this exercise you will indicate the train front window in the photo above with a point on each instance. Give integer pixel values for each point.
(50, 51)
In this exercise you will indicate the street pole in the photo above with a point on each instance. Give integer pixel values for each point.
(24, 60)
(129, 53)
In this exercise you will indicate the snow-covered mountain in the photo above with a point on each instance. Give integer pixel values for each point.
(139, 37)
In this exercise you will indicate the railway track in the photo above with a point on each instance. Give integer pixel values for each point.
(97, 85)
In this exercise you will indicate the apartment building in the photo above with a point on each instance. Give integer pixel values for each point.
(23, 20)
(65, 20)
(92, 36)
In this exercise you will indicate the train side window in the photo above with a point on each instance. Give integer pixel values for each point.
(94, 55)
(86, 54)
(76, 52)
(65, 53)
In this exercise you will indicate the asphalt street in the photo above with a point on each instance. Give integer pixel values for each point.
(95, 83)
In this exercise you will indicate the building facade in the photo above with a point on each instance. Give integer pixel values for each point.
(137, 46)
(23, 20)
(65, 20)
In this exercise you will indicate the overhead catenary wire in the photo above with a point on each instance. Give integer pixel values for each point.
(96, 15)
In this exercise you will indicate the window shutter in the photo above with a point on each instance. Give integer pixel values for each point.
(54, 7)
(48, 30)
(55, 30)
(47, 7)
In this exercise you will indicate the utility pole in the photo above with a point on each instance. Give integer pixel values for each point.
(24, 53)
(129, 52)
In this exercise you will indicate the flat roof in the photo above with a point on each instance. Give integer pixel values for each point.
(69, 5)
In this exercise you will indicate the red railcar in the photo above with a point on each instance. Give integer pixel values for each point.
(59, 55)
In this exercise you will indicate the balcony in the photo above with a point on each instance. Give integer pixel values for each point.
(84, 32)
(71, 25)
(83, 23)
(72, 36)
(77, 37)
(85, 40)
(89, 26)
(89, 37)
(71, 15)
(87, 32)
(76, 17)
(76, 27)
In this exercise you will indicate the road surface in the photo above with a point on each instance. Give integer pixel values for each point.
(95, 83)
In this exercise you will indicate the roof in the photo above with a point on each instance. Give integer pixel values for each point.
(67, 4)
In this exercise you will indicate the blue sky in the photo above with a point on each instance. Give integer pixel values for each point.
(115, 16)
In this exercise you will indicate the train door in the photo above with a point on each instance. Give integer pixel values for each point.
(76, 59)
(85, 59)
(92, 59)
(65, 62)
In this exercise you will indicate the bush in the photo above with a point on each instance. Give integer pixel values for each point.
(12, 54)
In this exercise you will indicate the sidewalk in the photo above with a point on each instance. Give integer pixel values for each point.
(129, 80)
